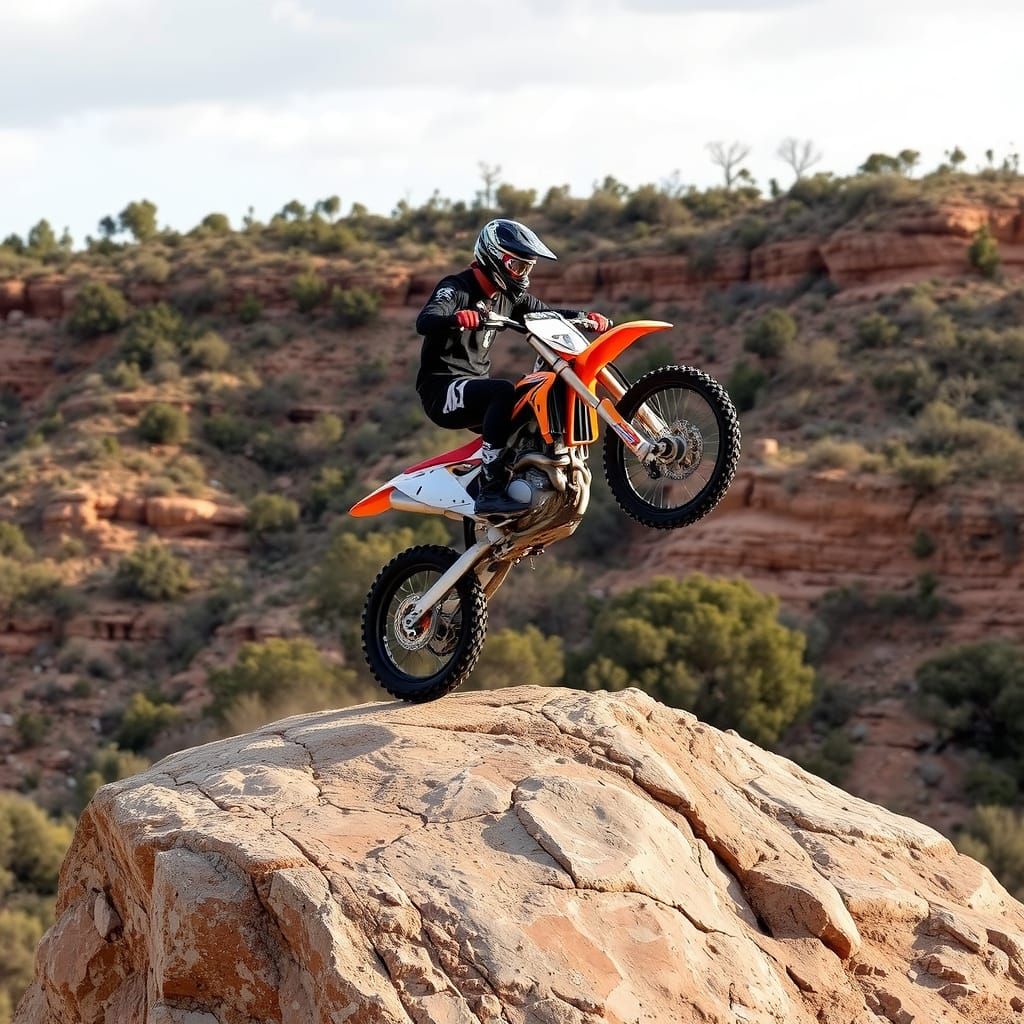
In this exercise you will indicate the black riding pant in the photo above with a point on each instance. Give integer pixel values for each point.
(481, 404)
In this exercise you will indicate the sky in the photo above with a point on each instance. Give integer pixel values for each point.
(219, 105)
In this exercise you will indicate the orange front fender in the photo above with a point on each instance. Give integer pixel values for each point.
(589, 363)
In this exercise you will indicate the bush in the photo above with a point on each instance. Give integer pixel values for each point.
(308, 291)
(327, 492)
(32, 728)
(155, 335)
(250, 309)
(25, 584)
(876, 331)
(270, 515)
(13, 543)
(152, 573)
(354, 307)
(209, 351)
(228, 432)
(983, 253)
(995, 836)
(143, 719)
(771, 334)
(161, 423)
(975, 694)
(924, 545)
(715, 647)
(98, 309)
(828, 453)
(149, 268)
(514, 658)
(32, 846)
(276, 677)
(108, 764)
(744, 384)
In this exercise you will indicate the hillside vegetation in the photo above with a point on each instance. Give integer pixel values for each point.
(173, 543)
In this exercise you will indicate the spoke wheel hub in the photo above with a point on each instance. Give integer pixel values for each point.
(420, 635)
(683, 451)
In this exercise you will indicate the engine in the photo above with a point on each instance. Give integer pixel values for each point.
(531, 486)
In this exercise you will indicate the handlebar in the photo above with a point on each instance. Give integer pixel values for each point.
(495, 321)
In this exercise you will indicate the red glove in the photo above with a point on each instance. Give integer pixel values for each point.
(468, 319)
(602, 322)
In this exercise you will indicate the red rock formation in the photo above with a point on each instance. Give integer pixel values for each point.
(917, 243)
(798, 537)
(528, 856)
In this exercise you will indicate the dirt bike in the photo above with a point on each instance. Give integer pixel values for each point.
(670, 453)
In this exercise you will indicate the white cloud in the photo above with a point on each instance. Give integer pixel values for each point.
(256, 101)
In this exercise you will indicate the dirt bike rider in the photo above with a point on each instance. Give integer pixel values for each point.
(454, 382)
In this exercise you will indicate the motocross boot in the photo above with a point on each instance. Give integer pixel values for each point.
(493, 499)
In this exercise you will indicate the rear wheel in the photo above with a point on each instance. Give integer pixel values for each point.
(700, 448)
(440, 653)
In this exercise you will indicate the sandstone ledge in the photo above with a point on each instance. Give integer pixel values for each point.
(532, 856)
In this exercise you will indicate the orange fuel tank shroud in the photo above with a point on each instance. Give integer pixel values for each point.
(610, 346)
(373, 504)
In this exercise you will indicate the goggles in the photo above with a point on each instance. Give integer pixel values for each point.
(516, 265)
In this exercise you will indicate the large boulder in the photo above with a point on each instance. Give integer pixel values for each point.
(529, 855)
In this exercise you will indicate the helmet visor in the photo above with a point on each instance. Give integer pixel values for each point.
(517, 266)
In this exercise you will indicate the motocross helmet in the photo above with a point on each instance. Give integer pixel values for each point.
(507, 251)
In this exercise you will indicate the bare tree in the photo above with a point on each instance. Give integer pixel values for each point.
(489, 174)
(728, 157)
(801, 156)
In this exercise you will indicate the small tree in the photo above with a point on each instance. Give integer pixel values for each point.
(983, 252)
(729, 157)
(715, 647)
(216, 224)
(908, 159)
(143, 720)
(42, 241)
(880, 163)
(800, 156)
(153, 573)
(489, 174)
(308, 290)
(97, 309)
(515, 202)
(956, 157)
(161, 423)
(354, 307)
(270, 516)
(771, 335)
(140, 219)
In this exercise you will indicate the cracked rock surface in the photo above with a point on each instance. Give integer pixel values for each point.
(528, 856)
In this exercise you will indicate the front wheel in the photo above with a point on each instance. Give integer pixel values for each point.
(699, 453)
(441, 652)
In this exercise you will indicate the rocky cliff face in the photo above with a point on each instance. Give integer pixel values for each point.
(915, 244)
(529, 855)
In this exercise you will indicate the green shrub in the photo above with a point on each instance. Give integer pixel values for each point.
(744, 384)
(995, 836)
(216, 224)
(975, 694)
(155, 335)
(209, 351)
(924, 545)
(97, 309)
(327, 492)
(924, 473)
(715, 647)
(987, 783)
(143, 719)
(26, 584)
(32, 728)
(13, 543)
(161, 423)
(108, 764)
(770, 335)
(126, 376)
(149, 268)
(270, 515)
(250, 309)
(153, 573)
(276, 450)
(308, 291)
(829, 453)
(354, 307)
(228, 432)
(32, 846)
(20, 933)
(876, 331)
(516, 657)
(277, 677)
(983, 252)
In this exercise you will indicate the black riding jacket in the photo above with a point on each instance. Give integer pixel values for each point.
(450, 352)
